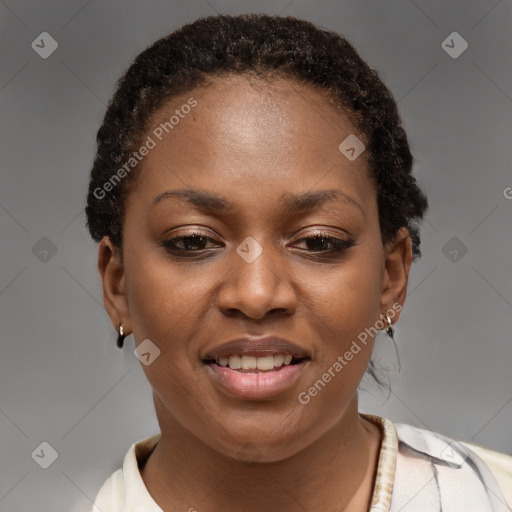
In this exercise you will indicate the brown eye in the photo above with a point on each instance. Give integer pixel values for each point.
(187, 243)
(323, 242)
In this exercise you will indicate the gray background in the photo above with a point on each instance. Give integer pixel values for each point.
(62, 379)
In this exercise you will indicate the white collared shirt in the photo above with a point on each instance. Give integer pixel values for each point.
(418, 471)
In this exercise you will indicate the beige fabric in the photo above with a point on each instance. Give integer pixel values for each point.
(500, 465)
(384, 480)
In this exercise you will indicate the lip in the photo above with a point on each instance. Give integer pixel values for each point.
(256, 384)
(258, 347)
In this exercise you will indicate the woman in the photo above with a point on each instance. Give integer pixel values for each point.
(257, 220)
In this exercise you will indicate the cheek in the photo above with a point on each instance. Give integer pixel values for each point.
(345, 307)
(345, 302)
(163, 300)
(165, 306)
(168, 305)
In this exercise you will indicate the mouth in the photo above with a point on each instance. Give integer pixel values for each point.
(256, 369)
(256, 364)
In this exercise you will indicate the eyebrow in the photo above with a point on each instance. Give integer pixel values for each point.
(293, 204)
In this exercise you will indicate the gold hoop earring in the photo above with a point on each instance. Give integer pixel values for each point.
(120, 336)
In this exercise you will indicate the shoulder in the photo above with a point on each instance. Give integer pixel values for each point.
(124, 490)
(500, 465)
(435, 472)
(111, 496)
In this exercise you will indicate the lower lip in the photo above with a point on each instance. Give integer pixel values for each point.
(257, 385)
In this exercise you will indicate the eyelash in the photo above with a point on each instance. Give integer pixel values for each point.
(339, 245)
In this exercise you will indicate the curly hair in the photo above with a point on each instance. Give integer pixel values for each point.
(264, 45)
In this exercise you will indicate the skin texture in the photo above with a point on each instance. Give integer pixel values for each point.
(254, 142)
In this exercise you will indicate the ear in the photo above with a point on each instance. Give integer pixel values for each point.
(397, 264)
(111, 270)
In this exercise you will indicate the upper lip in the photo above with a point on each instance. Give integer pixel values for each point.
(258, 347)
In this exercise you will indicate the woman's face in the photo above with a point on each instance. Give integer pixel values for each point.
(263, 159)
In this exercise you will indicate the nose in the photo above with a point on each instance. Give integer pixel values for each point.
(253, 289)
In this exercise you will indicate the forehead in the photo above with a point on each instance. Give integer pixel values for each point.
(251, 140)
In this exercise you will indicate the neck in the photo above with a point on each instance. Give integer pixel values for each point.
(334, 473)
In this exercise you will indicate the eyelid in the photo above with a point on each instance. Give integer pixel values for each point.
(188, 234)
(187, 231)
(331, 231)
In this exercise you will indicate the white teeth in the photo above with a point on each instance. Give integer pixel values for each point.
(248, 363)
(253, 363)
(265, 363)
(235, 362)
(278, 360)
